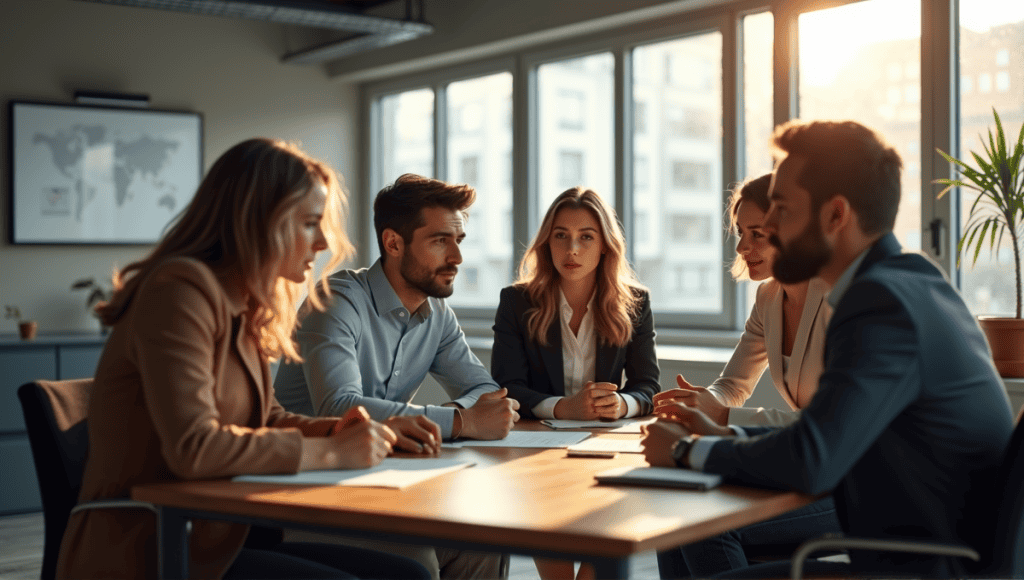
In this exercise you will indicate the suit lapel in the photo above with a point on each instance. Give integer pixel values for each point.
(773, 340)
(246, 349)
(552, 357)
(606, 358)
(813, 308)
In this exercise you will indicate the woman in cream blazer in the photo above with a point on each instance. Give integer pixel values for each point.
(784, 319)
(760, 346)
(182, 390)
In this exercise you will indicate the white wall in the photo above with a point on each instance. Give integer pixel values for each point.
(226, 69)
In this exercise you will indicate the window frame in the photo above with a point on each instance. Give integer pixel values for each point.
(939, 82)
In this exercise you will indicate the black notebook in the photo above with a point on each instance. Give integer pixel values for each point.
(660, 477)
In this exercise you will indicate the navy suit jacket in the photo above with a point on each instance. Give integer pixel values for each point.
(532, 372)
(908, 425)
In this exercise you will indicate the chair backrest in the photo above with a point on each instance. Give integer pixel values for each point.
(55, 418)
(1008, 547)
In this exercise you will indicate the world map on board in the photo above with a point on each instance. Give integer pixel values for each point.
(92, 160)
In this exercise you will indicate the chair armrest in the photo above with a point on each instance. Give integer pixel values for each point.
(114, 503)
(838, 542)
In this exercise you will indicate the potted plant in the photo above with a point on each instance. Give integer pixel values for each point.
(998, 177)
(98, 293)
(26, 328)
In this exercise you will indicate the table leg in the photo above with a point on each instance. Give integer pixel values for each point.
(172, 550)
(611, 569)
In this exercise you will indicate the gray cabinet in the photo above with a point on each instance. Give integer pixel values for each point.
(53, 357)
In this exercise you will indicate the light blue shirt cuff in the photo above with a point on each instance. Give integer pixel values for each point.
(443, 416)
(546, 408)
(702, 447)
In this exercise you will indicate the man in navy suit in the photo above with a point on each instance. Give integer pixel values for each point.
(910, 419)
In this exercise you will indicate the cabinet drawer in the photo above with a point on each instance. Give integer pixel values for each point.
(20, 366)
(18, 476)
(78, 362)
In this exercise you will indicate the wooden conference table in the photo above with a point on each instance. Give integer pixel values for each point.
(534, 502)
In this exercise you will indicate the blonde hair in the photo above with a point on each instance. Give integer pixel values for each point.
(617, 295)
(240, 224)
(756, 191)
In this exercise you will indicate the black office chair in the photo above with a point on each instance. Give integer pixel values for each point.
(55, 418)
(1006, 557)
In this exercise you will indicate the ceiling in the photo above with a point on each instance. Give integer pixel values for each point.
(365, 32)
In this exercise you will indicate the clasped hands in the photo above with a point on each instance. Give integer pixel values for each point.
(681, 412)
(593, 401)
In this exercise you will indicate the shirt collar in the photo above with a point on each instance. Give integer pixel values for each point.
(566, 310)
(385, 298)
(844, 281)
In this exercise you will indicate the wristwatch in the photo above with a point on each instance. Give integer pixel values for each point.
(681, 450)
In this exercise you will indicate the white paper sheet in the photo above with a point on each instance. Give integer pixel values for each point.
(527, 439)
(609, 444)
(619, 426)
(392, 473)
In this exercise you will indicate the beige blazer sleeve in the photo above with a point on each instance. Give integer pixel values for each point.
(750, 357)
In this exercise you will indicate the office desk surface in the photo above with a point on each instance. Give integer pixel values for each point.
(528, 501)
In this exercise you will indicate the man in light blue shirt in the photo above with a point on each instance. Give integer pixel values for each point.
(387, 326)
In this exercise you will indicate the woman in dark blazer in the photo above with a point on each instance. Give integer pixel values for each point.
(573, 323)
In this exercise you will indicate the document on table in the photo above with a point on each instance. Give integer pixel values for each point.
(618, 426)
(392, 473)
(527, 439)
(609, 444)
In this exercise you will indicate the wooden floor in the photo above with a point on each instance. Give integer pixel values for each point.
(21, 553)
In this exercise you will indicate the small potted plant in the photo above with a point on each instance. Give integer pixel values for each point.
(26, 328)
(97, 293)
(998, 177)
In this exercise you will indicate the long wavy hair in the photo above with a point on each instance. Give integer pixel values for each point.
(241, 223)
(617, 292)
(754, 191)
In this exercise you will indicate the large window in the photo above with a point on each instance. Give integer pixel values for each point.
(684, 148)
(991, 76)
(664, 122)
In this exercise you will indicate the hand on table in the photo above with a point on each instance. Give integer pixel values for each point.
(359, 441)
(416, 434)
(491, 417)
(698, 397)
(593, 401)
(658, 439)
(691, 419)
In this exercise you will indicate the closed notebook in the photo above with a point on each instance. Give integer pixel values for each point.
(660, 477)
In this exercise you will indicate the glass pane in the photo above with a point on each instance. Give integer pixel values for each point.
(677, 168)
(407, 135)
(991, 75)
(575, 127)
(758, 35)
(479, 154)
(862, 61)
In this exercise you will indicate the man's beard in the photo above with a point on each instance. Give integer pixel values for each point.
(803, 258)
(425, 280)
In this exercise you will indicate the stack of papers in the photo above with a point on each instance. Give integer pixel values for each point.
(392, 473)
(619, 426)
(609, 444)
(527, 440)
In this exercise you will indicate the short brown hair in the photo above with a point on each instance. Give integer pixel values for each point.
(848, 159)
(400, 206)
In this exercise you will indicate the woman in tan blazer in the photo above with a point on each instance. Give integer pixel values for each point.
(183, 389)
(785, 333)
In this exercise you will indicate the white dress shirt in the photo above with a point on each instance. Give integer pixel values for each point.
(579, 359)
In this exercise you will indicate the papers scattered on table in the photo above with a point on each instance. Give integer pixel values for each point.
(660, 477)
(619, 426)
(609, 444)
(392, 473)
(527, 439)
